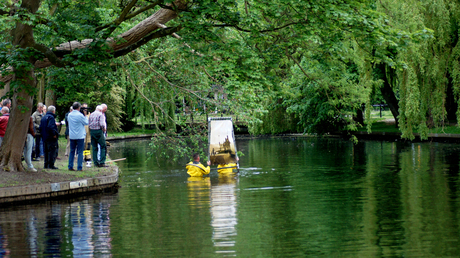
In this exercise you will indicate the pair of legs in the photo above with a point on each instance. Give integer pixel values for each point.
(76, 145)
(39, 146)
(67, 147)
(97, 137)
(51, 148)
(28, 151)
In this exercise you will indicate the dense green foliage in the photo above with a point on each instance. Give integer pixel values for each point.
(310, 66)
(428, 87)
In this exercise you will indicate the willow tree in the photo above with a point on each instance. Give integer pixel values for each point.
(428, 87)
(327, 75)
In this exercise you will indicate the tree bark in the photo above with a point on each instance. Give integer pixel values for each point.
(50, 98)
(128, 38)
(388, 93)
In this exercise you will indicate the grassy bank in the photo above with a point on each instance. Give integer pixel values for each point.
(135, 131)
(389, 127)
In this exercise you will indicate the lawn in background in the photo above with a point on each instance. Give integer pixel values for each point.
(384, 122)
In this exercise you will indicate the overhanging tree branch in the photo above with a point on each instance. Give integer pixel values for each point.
(127, 41)
(50, 55)
(157, 34)
(54, 57)
(123, 17)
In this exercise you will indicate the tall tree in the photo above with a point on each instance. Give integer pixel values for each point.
(245, 45)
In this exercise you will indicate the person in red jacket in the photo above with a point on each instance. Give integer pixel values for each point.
(4, 122)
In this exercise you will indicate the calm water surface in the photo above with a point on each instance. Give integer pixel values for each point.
(293, 197)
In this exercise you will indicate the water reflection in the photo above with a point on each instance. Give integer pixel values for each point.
(4, 251)
(223, 212)
(220, 199)
(292, 198)
(78, 229)
(198, 191)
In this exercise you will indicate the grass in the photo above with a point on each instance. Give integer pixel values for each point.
(386, 114)
(379, 125)
(446, 130)
(135, 131)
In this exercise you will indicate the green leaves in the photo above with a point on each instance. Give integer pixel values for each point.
(174, 148)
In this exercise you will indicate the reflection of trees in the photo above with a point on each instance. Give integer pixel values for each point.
(428, 201)
(381, 198)
(408, 200)
(381, 193)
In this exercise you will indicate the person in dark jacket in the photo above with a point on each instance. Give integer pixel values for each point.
(50, 133)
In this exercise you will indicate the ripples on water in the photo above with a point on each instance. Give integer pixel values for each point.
(292, 198)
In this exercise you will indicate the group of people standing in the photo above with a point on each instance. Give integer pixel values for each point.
(79, 121)
(44, 129)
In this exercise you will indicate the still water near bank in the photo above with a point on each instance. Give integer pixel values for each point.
(293, 197)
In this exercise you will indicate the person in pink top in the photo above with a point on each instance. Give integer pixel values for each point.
(4, 122)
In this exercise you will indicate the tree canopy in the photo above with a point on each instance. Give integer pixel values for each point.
(310, 64)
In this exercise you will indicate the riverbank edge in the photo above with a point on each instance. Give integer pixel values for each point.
(385, 136)
(67, 189)
(80, 187)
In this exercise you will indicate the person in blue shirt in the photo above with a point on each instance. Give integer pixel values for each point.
(77, 134)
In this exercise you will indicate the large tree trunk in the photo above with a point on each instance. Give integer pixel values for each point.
(16, 131)
(50, 98)
(387, 92)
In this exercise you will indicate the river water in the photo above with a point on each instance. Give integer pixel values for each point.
(293, 197)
